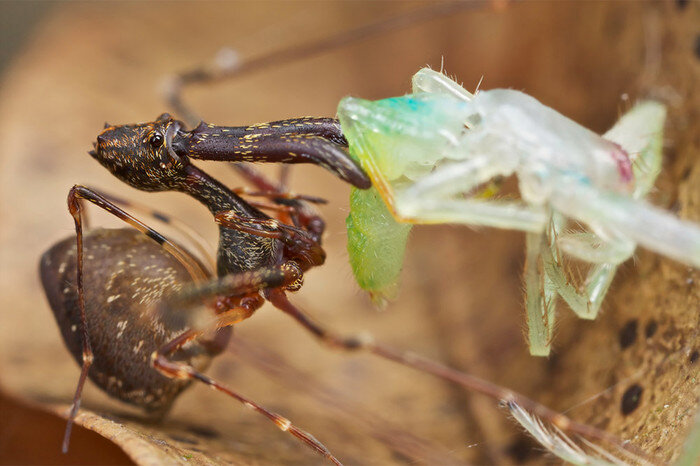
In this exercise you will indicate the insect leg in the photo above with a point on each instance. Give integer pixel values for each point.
(590, 247)
(429, 200)
(232, 286)
(586, 304)
(540, 297)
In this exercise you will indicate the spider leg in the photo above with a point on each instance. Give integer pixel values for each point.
(232, 286)
(302, 215)
(75, 197)
(611, 248)
(365, 343)
(302, 246)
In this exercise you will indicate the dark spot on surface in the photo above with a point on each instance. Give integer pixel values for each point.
(521, 449)
(631, 399)
(694, 356)
(696, 47)
(686, 173)
(628, 334)
(553, 361)
(205, 432)
(682, 4)
(401, 458)
(651, 328)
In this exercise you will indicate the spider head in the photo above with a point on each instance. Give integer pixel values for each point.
(142, 155)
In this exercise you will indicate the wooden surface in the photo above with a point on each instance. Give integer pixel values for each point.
(461, 301)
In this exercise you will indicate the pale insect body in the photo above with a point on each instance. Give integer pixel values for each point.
(428, 152)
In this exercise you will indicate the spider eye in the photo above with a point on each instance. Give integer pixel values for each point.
(156, 140)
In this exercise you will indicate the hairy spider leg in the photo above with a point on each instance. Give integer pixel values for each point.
(540, 298)
(76, 194)
(233, 286)
(302, 214)
(189, 233)
(366, 343)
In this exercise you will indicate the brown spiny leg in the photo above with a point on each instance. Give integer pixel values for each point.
(303, 215)
(279, 195)
(300, 245)
(82, 192)
(256, 178)
(233, 286)
(367, 343)
(193, 236)
(75, 206)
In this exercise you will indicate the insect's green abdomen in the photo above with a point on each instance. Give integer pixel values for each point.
(376, 245)
(376, 241)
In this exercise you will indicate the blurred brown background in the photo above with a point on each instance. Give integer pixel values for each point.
(86, 63)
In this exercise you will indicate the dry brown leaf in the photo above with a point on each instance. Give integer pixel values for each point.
(460, 303)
